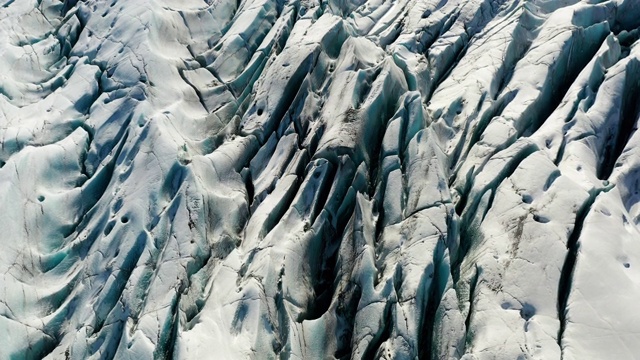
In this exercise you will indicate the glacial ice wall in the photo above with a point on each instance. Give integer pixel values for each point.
(294, 179)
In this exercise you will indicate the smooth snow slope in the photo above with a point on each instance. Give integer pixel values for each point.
(222, 179)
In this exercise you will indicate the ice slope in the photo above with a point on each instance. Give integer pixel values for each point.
(222, 179)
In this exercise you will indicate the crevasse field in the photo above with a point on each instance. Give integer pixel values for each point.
(302, 179)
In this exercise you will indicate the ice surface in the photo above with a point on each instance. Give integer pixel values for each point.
(215, 179)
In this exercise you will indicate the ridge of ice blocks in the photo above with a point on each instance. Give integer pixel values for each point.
(303, 179)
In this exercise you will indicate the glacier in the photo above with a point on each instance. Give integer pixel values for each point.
(333, 179)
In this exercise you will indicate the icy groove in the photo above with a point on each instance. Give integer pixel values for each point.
(573, 247)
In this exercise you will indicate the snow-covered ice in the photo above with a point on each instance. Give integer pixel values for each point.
(303, 179)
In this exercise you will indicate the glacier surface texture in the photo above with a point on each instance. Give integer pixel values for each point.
(334, 179)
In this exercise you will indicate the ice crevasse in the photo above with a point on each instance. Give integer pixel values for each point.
(302, 179)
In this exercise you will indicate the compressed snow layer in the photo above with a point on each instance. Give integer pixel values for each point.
(222, 179)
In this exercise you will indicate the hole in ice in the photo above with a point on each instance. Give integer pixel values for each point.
(124, 219)
(548, 143)
(527, 311)
(505, 305)
(605, 211)
(260, 111)
(285, 64)
(41, 198)
(117, 205)
(527, 199)
(540, 219)
(108, 228)
(627, 265)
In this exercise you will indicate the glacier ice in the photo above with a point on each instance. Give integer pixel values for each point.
(302, 179)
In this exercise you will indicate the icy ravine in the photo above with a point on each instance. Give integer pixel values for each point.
(300, 180)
